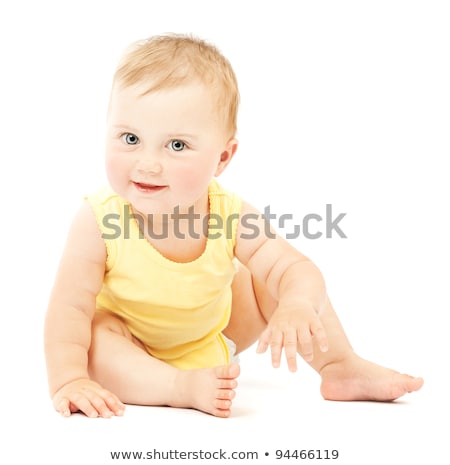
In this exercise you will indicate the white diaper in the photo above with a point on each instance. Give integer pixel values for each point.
(231, 349)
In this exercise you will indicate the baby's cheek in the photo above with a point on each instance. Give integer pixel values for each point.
(189, 181)
(193, 183)
(115, 170)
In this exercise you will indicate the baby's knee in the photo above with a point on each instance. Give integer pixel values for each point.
(105, 322)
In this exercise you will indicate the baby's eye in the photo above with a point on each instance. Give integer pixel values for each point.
(177, 145)
(129, 138)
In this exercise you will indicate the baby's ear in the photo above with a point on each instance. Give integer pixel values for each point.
(226, 156)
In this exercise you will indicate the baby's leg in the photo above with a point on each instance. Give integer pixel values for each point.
(345, 376)
(119, 362)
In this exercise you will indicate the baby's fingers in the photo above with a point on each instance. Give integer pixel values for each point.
(63, 407)
(113, 403)
(305, 344)
(320, 335)
(264, 341)
(76, 402)
(274, 339)
(104, 404)
(276, 347)
(100, 407)
(86, 405)
(290, 348)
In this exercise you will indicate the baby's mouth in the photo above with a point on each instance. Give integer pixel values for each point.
(148, 188)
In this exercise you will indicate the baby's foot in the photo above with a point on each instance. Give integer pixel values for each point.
(357, 379)
(210, 390)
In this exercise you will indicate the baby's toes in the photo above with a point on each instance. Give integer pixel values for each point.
(230, 371)
(226, 384)
(225, 394)
(222, 404)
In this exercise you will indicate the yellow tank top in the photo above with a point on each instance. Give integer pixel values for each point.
(177, 310)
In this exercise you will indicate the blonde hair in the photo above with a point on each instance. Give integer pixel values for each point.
(171, 60)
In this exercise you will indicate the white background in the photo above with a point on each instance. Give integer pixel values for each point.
(343, 102)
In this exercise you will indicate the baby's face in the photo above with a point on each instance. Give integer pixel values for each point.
(163, 148)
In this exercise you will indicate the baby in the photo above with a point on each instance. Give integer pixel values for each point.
(166, 276)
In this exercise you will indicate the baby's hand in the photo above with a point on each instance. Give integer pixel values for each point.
(293, 330)
(88, 397)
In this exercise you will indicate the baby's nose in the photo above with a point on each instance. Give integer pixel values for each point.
(149, 164)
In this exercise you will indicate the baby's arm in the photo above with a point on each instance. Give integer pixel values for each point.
(68, 322)
(293, 280)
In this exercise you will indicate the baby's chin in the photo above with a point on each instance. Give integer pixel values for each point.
(171, 210)
(164, 202)
(146, 205)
